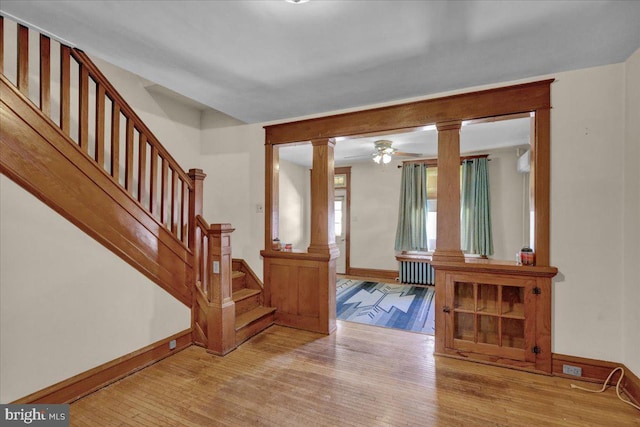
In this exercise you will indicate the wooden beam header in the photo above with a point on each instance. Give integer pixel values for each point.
(466, 106)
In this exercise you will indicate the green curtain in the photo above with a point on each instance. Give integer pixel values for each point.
(411, 233)
(475, 213)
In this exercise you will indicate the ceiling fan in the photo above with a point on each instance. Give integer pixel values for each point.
(383, 151)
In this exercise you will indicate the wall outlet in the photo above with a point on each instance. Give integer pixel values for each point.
(172, 345)
(572, 370)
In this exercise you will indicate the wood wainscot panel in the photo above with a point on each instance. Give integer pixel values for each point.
(301, 287)
(308, 291)
(41, 159)
(94, 379)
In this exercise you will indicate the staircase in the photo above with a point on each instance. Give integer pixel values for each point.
(101, 167)
(251, 315)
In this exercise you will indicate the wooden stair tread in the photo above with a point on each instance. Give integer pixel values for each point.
(250, 316)
(244, 293)
(236, 274)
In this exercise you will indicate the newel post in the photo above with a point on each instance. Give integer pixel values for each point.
(222, 315)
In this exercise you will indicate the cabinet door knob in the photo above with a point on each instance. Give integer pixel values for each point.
(446, 309)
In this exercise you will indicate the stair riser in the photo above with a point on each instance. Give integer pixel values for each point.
(247, 304)
(254, 328)
(239, 283)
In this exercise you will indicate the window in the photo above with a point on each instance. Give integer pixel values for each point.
(337, 206)
(432, 207)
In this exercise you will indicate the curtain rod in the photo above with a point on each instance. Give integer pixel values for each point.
(434, 162)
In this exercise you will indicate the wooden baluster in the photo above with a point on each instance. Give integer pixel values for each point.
(142, 167)
(204, 259)
(65, 89)
(197, 263)
(153, 181)
(194, 233)
(174, 202)
(163, 192)
(45, 75)
(1, 44)
(115, 140)
(100, 125)
(128, 166)
(23, 59)
(184, 235)
(83, 109)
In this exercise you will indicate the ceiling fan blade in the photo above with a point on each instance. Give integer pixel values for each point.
(403, 154)
(361, 156)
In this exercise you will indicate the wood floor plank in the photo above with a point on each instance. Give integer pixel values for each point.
(361, 375)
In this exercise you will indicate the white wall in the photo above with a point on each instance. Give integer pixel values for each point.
(631, 235)
(587, 201)
(508, 191)
(233, 159)
(294, 207)
(79, 307)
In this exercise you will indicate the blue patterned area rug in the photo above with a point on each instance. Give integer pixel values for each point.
(383, 304)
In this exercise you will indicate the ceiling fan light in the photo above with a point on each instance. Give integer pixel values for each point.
(377, 158)
(386, 158)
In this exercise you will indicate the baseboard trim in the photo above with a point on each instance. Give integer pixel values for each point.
(597, 371)
(373, 274)
(94, 379)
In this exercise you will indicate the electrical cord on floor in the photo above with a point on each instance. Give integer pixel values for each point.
(604, 387)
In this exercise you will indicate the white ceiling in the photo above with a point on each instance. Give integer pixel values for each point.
(261, 61)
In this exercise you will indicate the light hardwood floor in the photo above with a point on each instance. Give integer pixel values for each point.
(359, 376)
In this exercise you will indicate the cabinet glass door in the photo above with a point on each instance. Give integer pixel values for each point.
(489, 315)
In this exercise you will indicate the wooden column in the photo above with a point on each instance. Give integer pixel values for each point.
(272, 194)
(222, 315)
(540, 185)
(323, 237)
(448, 235)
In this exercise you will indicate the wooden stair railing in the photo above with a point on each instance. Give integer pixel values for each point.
(228, 307)
(85, 152)
(81, 147)
(213, 308)
(106, 129)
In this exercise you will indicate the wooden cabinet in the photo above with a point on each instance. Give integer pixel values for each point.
(495, 313)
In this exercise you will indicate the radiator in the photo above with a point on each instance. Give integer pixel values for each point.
(419, 273)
